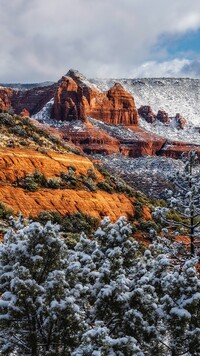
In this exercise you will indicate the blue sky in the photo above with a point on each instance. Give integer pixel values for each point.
(187, 44)
(42, 39)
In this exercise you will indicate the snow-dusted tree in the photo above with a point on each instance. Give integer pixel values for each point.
(120, 299)
(184, 199)
(181, 309)
(105, 297)
(38, 313)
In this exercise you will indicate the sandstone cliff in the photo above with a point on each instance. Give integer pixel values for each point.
(15, 164)
(75, 99)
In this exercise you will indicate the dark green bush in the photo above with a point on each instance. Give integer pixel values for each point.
(70, 223)
(147, 225)
(5, 212)
(54, 183)
(105, 186)
(91, 174)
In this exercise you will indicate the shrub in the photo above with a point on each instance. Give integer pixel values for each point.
(5, 212)
(88, 183)
(105, 186)
(148, 225)
(91, 174)
(54, 183)
(29, 183)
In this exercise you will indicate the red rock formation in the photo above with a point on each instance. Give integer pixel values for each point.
(116, 107)
(163, 117)
(69, 101)
(146, 112)
(5, 98)
(76, 99)
(144, 144)
(181, 121)
(24, 113)
(91, 139)
(32, 100)
(175, 149)
(16, 163)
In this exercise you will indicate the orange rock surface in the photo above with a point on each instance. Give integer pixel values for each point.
(5, 98)
(16, 163)
(98, 204)
(75, 100)
(116, 107)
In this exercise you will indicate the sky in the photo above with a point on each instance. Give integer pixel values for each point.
(41, 40)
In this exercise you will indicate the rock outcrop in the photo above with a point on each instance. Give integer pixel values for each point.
(32, 100)
(5, 98)
(69, 101)
(77, 99)
(15, 164)
(91, 139)
(115, 107)
(163, 117)
(180, 120)
(176, 149)
(147, 113)
(25, 113)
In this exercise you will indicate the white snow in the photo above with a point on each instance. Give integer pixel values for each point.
(173, 95)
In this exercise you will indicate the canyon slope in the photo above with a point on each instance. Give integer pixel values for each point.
(108, 116)
(113, 118)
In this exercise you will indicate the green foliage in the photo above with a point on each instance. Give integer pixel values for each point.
(54, 183)
(24, 128)
(5, 212)
(113, 183)
(138, 214)
(103, 296)
(104, 185)
(91, 174)
(147, 225)
(70, 223)
(32, 181)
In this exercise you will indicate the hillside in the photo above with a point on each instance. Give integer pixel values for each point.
(107, 119)
(15, 164)
(173, 95)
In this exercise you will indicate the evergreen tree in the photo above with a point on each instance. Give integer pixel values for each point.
(180, 304)
(38, 313)
(184, 199)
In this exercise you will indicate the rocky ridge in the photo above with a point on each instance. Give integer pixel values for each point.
(76, 99)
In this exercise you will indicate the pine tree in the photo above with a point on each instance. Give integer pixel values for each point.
(184, 199)
(180, 304)
(38, 313)
(120, 299)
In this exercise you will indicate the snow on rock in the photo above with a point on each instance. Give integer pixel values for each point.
(172, 95)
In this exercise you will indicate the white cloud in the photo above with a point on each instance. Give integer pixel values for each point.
(173, 68)
(42, 39)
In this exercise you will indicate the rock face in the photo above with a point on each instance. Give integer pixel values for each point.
(163, 117)
(69, 101)
(91, 139)
(147, 113)
(31, 100)
(5, 98)
(76, 99)
(24, 113)
(16, 163)
(180, 120)
(176, 149)
(116, 107)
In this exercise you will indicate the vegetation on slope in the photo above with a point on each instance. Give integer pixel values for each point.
(17, 131)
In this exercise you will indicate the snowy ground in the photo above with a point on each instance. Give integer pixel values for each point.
(147, 174)
(170, 94)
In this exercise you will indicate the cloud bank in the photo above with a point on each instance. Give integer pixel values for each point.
(42, 39)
